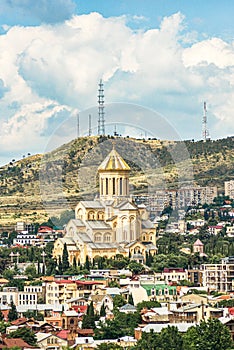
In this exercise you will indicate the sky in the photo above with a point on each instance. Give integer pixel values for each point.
(159, 61)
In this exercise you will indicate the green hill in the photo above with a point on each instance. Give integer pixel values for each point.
(60, 178)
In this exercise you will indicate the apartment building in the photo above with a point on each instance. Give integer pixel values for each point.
(10, 294)
(229, 188)
(178, 198)
(57, 292)
(219, 277)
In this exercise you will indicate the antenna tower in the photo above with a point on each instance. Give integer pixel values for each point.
(205, 133)
(90, 125)
(78, 125)
(101, 120)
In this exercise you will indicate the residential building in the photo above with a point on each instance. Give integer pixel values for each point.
(174, 275)
(57, 292)
(229, 188)
(179, 198)
(219, 277)
(230, 231)
(49, 341)
(24, 238)
(214, 230)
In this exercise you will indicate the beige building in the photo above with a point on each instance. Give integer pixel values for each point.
(219, 277)
(229, 188)
(58, 292)
(111, 224)
(50, 341)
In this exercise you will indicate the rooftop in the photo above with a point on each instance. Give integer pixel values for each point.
(114, 162)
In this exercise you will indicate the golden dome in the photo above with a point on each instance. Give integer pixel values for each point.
(114, 162)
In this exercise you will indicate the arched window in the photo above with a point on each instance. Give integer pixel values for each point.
(91, 215)
(100, 215)
(80, 214)
(98, 237)
(107, 237)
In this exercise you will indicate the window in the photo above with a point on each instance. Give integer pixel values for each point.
(98, 237)
(107, 238)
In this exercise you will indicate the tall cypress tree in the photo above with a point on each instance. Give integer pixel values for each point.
(12, 315)
(60, 266)
(65, 261)
(130, 299)
(89, 318)
(102, 311)
(74, 262)
(87, 264)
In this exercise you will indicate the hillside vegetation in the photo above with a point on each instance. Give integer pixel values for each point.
(34, 186)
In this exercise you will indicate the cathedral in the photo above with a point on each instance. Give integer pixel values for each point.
(111, 224)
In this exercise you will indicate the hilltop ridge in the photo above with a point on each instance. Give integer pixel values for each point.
(20, 181)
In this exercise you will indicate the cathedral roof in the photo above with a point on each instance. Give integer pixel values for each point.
(98, 225)
(92, 204)
(126, 205)
(114, 162)
(147, 224)
(78, 222)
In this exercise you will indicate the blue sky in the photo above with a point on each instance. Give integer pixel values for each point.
(166, 56)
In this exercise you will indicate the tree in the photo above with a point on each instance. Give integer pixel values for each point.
(3, 326)
(12, 315)
(87, 264)
(31, 271)
(119, 301)
(135, 267)
(210, 335)
(103, 310)
(130, 299)
(148, 305)
(1, 316)
(89, 317)
(65, 261)
(149, 341)
(26, 334)
(109, 346)
(171, 339)
(122, 324)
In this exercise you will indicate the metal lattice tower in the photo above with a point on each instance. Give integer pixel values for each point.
(90, 125)
(78, 125)
(205, 133)
(101, 120)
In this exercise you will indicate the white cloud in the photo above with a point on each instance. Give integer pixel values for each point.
(49, 70)
(212, 51)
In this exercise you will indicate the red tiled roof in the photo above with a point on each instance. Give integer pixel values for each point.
(63, 334)
(45, 228)
(217, 226)
(224, 297)
(64, 282)
(10, 343)
(198, 243)
(19, 321)
(80, 308)
(88, 283)
(85, 331)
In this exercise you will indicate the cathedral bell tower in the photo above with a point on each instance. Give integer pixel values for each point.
(113, 177)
